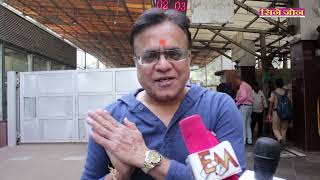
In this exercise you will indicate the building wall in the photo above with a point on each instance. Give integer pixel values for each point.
(306, 27)
(309, 24)
(19, 32)
(306, 91)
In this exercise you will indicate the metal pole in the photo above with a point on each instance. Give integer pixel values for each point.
(48, 65)
(1, 80)
(263, 50)
(206, 73)
(30, 62)
(85, 60)
(12, 107)
(264, 63)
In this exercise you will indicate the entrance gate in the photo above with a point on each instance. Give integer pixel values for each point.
(53, 105)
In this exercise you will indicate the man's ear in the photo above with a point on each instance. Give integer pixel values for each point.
(189, 57)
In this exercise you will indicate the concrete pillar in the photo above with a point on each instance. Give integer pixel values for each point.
(264, 63)
(12, 108)
(305, 65)
(48, 65)
(3, 124)
(30, 60)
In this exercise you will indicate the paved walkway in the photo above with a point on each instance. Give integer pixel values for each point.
(42, 162)
(65, 162)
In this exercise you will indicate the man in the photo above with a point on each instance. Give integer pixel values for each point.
(244, 101)
(259, 104)
(139, 135)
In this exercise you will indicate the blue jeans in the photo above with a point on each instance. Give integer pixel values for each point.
(246, 112)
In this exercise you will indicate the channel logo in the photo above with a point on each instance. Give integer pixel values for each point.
(282, 12)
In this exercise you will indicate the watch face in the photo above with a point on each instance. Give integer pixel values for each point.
(154, 157)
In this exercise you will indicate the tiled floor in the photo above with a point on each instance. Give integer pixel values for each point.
(65, 162)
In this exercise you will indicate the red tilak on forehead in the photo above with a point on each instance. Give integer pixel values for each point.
(162, 42)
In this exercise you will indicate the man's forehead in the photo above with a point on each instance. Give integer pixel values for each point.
(152, 43)
(161, 44)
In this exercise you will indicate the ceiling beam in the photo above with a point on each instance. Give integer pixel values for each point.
(143, 5)
(75, 20)
(99, 53)
(127, 10)
(255, 12)
(206, 41)
(274, 41)
(251, 22)
(110, 30)
(65, 33)
(224, 42)
(223, 25)
(195, 34)
(205, 47)
(217, 50)
(275, 1)
(236, 43)
(272, 54)
(232, 29)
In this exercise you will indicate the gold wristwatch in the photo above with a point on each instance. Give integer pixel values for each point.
(152, 159)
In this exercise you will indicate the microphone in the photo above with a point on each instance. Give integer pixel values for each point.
(266, 158)
(208, 159)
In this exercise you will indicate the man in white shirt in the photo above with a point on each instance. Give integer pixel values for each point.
(259, 105)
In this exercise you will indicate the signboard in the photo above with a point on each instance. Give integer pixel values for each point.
(178, 5)
(211, 11)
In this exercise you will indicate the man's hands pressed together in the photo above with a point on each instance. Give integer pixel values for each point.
(123, 143)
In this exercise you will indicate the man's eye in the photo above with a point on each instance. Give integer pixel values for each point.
(150, 57)
(175, 55)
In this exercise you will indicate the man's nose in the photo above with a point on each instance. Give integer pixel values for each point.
(163, 64)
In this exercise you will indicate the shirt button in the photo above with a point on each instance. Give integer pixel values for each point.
(140, 107)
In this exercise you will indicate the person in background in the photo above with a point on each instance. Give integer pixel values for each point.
(258, 109)
(244, 102)
(267, 128)
(138, 136)
(279, 126)
(227, 88)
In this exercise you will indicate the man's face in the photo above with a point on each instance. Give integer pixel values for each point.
(163, 80)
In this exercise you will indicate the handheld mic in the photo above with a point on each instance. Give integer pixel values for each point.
(266, 158)
(208, 159)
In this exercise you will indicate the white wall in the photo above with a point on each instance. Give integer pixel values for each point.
(309, 24)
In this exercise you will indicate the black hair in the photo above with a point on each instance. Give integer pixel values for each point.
(279, 83)
(155, 16)
(256, 84)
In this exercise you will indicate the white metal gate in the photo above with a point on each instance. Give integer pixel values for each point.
(53, 104)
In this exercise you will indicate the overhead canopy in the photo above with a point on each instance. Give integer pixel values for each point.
(102, 28)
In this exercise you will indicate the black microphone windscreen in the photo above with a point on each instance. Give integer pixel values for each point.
(266, 158)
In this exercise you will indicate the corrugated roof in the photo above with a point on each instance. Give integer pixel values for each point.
(102, 28)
